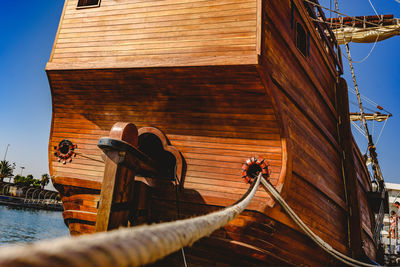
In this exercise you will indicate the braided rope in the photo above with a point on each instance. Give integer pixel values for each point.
(127, 246)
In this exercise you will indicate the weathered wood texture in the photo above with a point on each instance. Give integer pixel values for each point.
(156, 33)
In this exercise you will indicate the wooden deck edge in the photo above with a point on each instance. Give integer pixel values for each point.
(148, 62)
(65, 181)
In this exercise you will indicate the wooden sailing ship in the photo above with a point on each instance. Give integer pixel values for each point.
(212, 88)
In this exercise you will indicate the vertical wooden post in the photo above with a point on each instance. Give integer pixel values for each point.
(349, 173)
(117, 192)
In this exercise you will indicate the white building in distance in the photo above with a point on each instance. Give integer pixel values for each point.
(394, 195)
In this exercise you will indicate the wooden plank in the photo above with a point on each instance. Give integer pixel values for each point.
(259, 27)
(121, 5)
(152, 6)
(183, 36)
(77, 182)
(131, 31)
(326, 220)
(157, 41)
(349, 175)
(242, 41)
(80, 215)
(309, 70)
(216, 8)
(217, 58)
(232, 141)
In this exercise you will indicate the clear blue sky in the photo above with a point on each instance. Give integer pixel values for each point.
(28, 28)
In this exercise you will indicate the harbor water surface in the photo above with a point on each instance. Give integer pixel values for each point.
(21, 225)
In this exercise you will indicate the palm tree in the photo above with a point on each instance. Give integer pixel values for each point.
(45, 180)
(6, 169)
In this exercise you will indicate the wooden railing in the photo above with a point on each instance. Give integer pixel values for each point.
(328, 37)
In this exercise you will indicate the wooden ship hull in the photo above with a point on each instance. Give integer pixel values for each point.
(213, 83)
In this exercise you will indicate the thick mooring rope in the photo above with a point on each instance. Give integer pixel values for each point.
(124, 247)
(324, 245)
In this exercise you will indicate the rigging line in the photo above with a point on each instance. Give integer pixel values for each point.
(371, 101)
(137, 246)
(370, 51)
(371, 147)
(379, 29)
(318, 240)
(379, 137)
(373, 7)
(339, 13)
(358, 128)
(364, 122)
(178, 209)
(365, 98)
(87, 157)
(356, 104)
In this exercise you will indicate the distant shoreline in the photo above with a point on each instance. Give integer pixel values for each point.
(21, 202)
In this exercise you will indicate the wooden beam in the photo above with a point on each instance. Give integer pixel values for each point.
(117, 192)
(349, 173)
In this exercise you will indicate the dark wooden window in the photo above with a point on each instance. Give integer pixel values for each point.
(301, 39)
(88, 3)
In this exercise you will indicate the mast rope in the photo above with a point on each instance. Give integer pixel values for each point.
(341, 24)
(359, 129)
(370, 51)
(373, 7)
(370, 101)
(364, 97)
(379, 137)
(178, 210)
(325, 246)
(146, 244)
(339, 13)
(83, 155)
(126, 246)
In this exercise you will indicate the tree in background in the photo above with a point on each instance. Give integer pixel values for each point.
(6, 169)
(26, 181)
(18, 179)
(45, 180)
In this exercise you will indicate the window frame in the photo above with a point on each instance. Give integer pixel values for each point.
(306, 39)
(89, 6)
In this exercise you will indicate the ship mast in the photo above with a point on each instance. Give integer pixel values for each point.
(371, 146)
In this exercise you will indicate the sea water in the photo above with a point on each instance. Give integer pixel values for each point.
(23, 225)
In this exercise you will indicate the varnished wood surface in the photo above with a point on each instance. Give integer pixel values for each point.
(212, 137)
(266, 240)
(367, 217)
(349, 172)
(118, 181)
(284, 110)
(187, 32)
(206, 115)
(316, 185)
